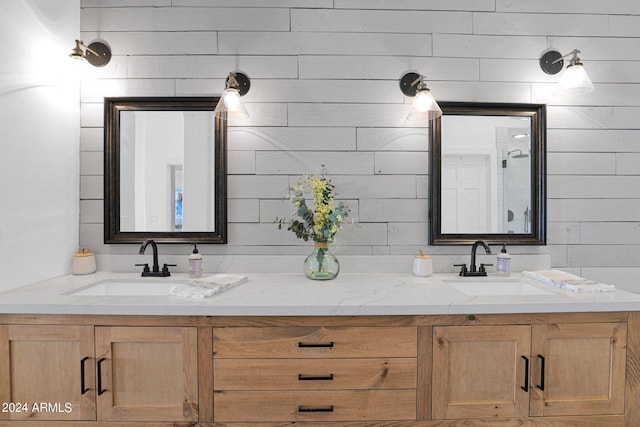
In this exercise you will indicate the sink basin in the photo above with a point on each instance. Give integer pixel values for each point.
(489, 286)
(128, 287)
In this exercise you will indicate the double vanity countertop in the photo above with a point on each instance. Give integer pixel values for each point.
(292, 294)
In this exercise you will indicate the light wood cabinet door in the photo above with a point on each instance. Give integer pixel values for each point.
(578, 369)
(147, 373)
(480, 371)
(47, 373)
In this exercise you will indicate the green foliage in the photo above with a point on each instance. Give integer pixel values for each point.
(323, 221)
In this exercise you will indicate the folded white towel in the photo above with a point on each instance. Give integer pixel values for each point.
(568, 281)
(221, 280)
(208, 286)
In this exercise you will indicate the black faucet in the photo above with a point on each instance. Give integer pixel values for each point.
(473, 271)
(155, 270)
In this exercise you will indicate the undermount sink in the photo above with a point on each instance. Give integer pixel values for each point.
(491, 286)
(129, 287)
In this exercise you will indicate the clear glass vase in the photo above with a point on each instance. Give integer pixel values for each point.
(321, 264)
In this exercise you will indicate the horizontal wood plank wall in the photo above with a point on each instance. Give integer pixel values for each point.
(325, 91)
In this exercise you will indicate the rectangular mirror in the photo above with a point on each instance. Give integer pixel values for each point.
(488, 174)
(165, 170)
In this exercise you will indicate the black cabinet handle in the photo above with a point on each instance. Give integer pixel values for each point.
(315, 345)
(83, 389)
(100, 389)
(303, 377)
(525, 387)
(541, 385)
(315, 408)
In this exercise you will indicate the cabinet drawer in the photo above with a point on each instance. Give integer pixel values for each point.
(314, 342)
(262, 406)
(314, 374)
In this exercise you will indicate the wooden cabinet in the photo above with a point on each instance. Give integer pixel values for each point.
(547, 370)
(147, 373)
(522, 370)
(314, 374)
(52, 372)
(47, 373)
(578, 369)
(478, 371)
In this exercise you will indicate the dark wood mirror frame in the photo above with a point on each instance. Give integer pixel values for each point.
(112, 109)
(537, 113)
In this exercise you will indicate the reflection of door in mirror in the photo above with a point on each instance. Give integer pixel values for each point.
(466, 195)
(486, 174)
(167, 161)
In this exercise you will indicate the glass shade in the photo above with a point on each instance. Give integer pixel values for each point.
(574, 81)
(231, 104)
(424, 106)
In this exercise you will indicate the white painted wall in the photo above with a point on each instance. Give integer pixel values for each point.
(325, 91)
(39, 140)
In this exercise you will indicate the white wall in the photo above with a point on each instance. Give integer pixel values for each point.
(325, 91)
(39, 140)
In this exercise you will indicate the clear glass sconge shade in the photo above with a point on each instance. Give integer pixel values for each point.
(231, 104)
(574, 81)
(424, 106)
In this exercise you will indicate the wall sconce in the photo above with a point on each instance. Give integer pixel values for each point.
(517, 154)
(575, 80)
(237, 85)
(97, 54)
(424, 105)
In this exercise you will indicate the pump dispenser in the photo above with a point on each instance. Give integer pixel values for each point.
(195, 263)
(503, 264)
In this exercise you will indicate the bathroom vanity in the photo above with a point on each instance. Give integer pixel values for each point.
(361, 350)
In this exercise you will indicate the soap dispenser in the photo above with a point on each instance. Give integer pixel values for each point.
(503, 264)
(195, 263)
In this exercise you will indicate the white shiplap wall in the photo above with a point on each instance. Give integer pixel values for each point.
(325, 91)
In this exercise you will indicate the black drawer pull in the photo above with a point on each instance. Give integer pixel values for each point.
(315, 345)
(315, 408)
(83, 389)
(525, 387)
(541, 385)
(303, 377)
(100, 389)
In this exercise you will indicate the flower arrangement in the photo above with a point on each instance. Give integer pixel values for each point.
(323, 221)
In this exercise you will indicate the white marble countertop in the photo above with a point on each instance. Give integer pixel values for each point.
(294, 295)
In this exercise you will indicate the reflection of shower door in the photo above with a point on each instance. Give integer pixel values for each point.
(465, 194)
(175, 190)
